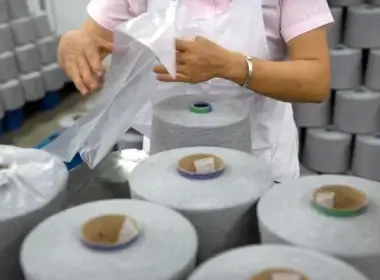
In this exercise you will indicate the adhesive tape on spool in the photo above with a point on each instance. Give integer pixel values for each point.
(209, 120)
(360, 19)
(357, 111)
(32, 184)
(345, 68)
(372, 80)
(327, 150)
(312, 115)
(335, 30)
(345, 3)
(366, 158)
(69, 120)
(165, 249)
(261, 262)
(295, 221)
(220, 204)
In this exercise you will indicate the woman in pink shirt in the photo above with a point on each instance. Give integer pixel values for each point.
(294, 29)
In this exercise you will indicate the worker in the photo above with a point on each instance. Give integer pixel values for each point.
(284, 58)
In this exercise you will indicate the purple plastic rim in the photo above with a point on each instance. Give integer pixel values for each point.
(200, 176)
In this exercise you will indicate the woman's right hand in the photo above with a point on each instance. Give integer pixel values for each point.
(80, 55)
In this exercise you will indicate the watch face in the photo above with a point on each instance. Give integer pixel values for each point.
(207, 8)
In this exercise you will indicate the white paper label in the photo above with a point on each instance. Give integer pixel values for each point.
(326, 199)
(204, 165)
(285, 276)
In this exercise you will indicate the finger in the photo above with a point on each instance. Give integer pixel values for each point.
(94, 61)
(160, 69)
(87, 73)
(168, 78)
(180, 58)
(73, 72)
(182, 45)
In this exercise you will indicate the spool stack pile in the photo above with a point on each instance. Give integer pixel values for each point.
(28, 65)
(340, 136)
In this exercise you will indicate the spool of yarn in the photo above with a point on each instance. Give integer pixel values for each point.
(28, 58)
(132, 139)
(47, 48)
(215, 188)
(345, 3)
(8, 66)
(33, 85)
(360, 20)
(53, 77)
(327, 150)
(311, 114)
(334, 214)
(165, 247)
(206, 120)
(42, 25)
(32, 184)
(306, 172)
(272, 262)
(18, 8)
(345, 68)
(6, 41)
(23, 31)
(367, 157)
(4, 15)
(12, 95)
(335, 30)
(372, 80)
(357, 112)
(69, 120)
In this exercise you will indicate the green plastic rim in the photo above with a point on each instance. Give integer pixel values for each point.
(358, 202)
(201, 107)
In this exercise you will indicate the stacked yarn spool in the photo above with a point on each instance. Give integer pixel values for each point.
(28, 68)
(340, 135)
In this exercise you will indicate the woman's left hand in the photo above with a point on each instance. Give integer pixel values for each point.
(197, 61)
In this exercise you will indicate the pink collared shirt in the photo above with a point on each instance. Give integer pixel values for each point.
(284, 19)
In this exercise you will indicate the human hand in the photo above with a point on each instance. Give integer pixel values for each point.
(80, 56)
(198, 61)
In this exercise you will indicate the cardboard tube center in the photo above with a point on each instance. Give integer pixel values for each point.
(279, 274)
(340, 197)
(109, 230)
(201, 164)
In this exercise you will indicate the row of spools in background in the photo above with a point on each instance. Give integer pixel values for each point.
(28, 68)
(339, 136)
(227, 201)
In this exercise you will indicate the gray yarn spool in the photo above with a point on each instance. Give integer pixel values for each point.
(12, 95)
(345, 3)
(248, 262)
(4, 16)
(366, 159)
(18, 8)
(48, 49)
(345, 68)
(360, 20)
(175, 126)
(286, 216)
(312, 115)
(34, 190)
(372, 80)
(222, 209)
(165, 249)
(334, 32)
(6, 40)
(327, 151)
(8, 66)
(54, 77)
(357, 112)
(34, 87)
(306, 172)
(374, 2)
(132, 139)
(28, 58)
(23, 31)
(42, 25)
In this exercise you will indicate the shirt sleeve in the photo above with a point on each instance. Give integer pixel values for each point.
(301, 16)
(110, 13)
